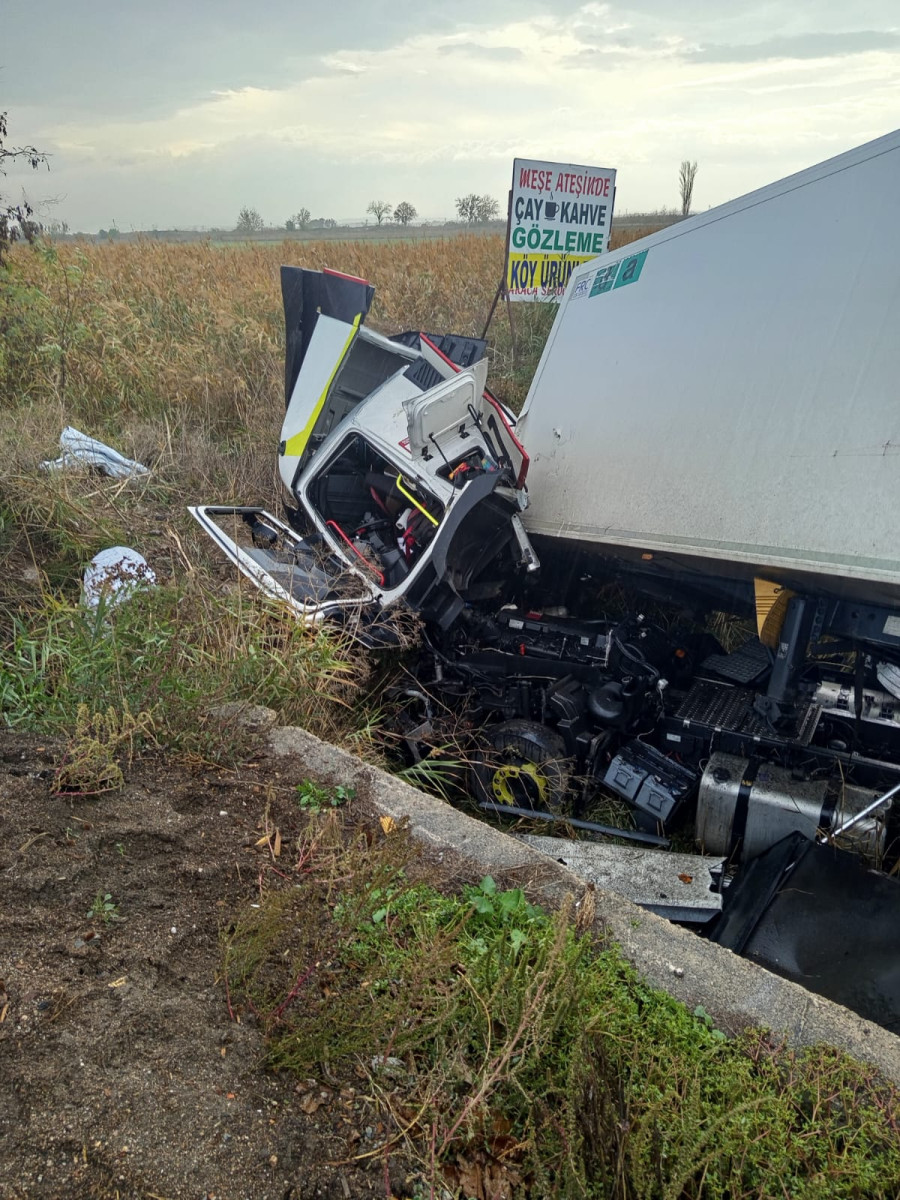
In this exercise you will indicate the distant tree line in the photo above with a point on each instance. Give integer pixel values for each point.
(472, 209)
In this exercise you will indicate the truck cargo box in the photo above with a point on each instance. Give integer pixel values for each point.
(725, 392)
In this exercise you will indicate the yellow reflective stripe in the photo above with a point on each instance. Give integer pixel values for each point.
(411, 498)
(296, 444)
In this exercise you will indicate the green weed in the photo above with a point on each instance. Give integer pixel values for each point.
(536, 1062)
(103, 908)
(313, 798)
(169, 654)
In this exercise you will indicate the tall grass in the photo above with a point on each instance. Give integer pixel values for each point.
(173, 353)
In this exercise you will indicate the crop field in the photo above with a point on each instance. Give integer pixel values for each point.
(173, 353)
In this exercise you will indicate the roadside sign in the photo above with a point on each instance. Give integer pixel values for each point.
(559, 217)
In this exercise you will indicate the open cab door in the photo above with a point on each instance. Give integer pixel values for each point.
(431, 518)
(448, 420)
(297, 571)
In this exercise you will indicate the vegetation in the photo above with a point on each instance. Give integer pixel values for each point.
(513, 1054)
(404, 213)
(300, 220)
(16, 218)
(249, 221)
(687, 173)
(379, 209)
(474, 208)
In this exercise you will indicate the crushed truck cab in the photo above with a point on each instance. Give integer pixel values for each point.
(406, 473)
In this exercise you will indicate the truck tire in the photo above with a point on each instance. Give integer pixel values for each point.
(524, 764)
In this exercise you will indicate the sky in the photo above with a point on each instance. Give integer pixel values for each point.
(177, 114)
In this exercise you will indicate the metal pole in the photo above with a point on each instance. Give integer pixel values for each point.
(870, 808)
(631, 835)
(497, 295)
(512, 331)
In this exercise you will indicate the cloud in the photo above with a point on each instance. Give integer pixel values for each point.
(797, 46)
(430, 116)
(343, 66)
(477, 50)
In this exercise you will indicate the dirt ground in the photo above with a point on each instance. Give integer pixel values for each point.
(122, 1073)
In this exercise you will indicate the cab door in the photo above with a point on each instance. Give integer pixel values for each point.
(450, 421)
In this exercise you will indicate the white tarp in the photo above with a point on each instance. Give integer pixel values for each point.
(79, 450)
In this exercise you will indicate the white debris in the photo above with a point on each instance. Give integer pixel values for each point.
(79, 450)
(391, 1066)
(114, 575)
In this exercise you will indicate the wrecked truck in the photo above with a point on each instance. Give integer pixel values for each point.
(712, 429)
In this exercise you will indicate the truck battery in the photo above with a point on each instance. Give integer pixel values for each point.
(653, 785)
(745, 806)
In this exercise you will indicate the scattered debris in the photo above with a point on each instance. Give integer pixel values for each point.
(673, 615)
(114, 575)
(682, 887)
(80, 450)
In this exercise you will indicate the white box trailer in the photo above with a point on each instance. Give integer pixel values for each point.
(726, 392)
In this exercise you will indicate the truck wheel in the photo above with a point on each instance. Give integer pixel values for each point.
(524, 764)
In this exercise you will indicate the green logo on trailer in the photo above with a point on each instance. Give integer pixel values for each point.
(630, 271)
(604, 279)
(618, 274)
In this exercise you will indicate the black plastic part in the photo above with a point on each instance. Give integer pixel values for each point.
(631, 835)
(471, 536)
(816, 915)
(749, 664)
(753, 891)
(461, 350)
(606, 702)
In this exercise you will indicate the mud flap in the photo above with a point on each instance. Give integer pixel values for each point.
(816, 915)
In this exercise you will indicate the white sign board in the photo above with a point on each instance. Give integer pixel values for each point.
(559, 217)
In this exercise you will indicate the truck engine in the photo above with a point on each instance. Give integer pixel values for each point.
(564, 707)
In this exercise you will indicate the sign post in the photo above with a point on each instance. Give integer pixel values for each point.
(560, 216)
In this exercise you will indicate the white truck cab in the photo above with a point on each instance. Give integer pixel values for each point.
(406, 473)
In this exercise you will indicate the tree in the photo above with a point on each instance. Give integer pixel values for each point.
(474, 208)
(299, 220)
(249, 221)
(404, 213)
(379, 209)
(15, 219)
(467, 207)
(687, 173)
(488, 208)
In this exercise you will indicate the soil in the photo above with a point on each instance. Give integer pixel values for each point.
(122, 1072)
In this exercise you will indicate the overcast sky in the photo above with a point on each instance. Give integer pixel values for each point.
(178, 113)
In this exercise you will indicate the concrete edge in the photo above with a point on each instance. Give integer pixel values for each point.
(736, 993)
